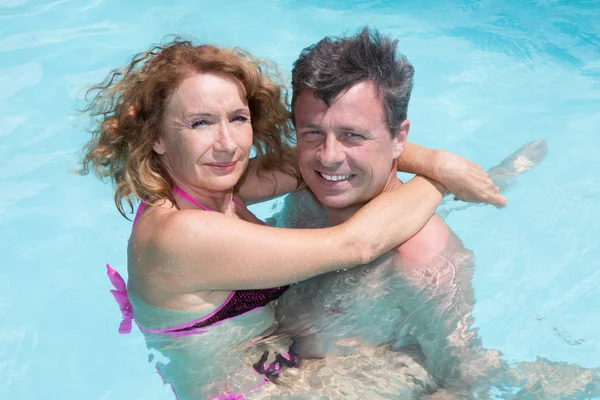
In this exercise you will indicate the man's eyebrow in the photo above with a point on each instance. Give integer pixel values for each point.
(346, 128)
(309, 125)
(343, 128)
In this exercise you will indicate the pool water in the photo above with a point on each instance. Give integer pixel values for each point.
(490, 76)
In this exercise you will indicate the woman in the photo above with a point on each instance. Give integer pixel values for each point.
(174, 130)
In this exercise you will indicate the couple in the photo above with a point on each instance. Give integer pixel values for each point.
(174, 130)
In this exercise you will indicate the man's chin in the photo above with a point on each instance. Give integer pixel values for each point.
(334, 202)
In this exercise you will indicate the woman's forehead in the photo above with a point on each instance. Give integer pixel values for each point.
(208, 93)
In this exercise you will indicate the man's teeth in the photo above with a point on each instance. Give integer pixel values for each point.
(335, 178)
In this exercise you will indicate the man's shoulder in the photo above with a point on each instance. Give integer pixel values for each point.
(426, 244)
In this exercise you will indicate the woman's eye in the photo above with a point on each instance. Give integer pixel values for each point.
(198, 123)
(240, 118)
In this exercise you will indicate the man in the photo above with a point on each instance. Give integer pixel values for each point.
(349, 107)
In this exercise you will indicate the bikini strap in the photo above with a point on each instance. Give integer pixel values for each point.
(142, 205)
(189, 198)
(138, 214)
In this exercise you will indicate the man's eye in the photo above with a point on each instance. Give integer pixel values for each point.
(198, 123)
(310, 136)
(354, 135)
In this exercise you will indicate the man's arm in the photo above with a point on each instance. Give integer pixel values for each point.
(433, 285)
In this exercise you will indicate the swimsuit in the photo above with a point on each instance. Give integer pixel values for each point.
(237, 303)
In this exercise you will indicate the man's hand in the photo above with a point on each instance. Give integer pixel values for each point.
(466, 180)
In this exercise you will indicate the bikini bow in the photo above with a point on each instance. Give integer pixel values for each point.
(120, 295)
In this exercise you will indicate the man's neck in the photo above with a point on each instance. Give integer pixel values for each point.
(337, 216)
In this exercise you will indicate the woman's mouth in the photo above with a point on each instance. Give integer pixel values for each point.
(224, 167)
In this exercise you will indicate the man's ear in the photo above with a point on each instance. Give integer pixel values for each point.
(400, 139)
(159, 147)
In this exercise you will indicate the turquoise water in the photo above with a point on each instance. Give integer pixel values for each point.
(490, 76)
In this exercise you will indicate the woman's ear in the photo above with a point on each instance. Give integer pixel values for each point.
(159, 147)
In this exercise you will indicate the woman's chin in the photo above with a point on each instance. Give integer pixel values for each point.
(223, 184)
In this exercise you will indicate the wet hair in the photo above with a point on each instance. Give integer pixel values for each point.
(335, 64)
(127, 111)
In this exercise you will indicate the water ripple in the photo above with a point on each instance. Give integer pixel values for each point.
(18, 345)
(31, 11)
(35, 39)
(9, 124)
(14, 79)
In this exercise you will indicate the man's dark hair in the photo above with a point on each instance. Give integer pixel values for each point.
(334, 64)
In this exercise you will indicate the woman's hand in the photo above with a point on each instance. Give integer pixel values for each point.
(466, 180)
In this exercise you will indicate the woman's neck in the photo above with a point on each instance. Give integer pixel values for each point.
(219, 201)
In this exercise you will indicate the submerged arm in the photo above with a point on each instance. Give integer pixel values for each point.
(438, 297)
(504, 174)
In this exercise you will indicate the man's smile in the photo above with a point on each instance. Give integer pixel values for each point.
(333, 179)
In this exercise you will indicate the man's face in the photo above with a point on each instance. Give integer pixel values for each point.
(346, 152)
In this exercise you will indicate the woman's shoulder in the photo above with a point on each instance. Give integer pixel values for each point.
(152, 240)
(149, 221)
(155, 256)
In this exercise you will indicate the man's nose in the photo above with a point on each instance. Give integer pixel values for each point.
(331, 152)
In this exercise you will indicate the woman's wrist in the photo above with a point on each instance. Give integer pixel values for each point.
(438, 165)
(436, 184)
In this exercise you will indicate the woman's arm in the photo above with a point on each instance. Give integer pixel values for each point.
(194, 250)
(466, 180)
(417, 159)
(267, 185)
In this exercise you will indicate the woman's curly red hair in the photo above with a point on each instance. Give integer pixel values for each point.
(128, 107)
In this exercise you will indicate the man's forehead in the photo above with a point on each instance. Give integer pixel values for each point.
(359, 102)
(365, 89)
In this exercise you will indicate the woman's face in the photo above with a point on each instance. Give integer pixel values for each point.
(207, 135)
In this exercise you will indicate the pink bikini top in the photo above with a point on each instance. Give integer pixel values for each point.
(237, 303)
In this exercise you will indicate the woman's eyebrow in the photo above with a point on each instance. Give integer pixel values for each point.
(240, 110)
(191, 114)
